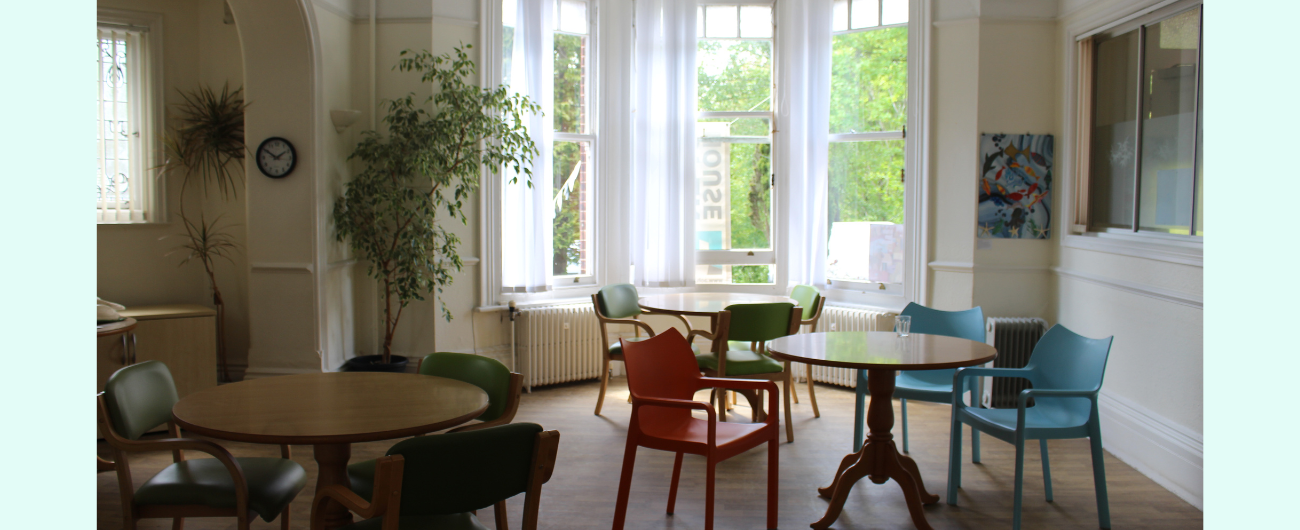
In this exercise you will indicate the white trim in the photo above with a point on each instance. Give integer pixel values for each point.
(1116, 23)
(955, 22)
(917, 196)
(1170, 454)
(1139, 246)
(952, 266)
(306, 268)
(1166, 295)
(970, 268)
(258, 373)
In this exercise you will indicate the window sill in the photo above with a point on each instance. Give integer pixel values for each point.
(1185, 252)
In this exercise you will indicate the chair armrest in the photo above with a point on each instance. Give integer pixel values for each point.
(637, 402)
(1025, 395)
(630, 322)
(385, 499)
(690, 337)
(203, 446)
(737, 384)
(976, 371)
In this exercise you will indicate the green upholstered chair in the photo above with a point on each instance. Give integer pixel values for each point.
(616, 304)
(437, 482)
(502, 386)
(138, 398)
(756, 324)
(812, 303)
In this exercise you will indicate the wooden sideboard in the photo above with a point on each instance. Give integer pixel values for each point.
(183, 336)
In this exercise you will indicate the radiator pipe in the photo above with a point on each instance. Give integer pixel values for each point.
(514, 347)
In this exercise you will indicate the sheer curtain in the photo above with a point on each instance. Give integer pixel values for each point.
(527, 215)
(663, 163)
(803, 93)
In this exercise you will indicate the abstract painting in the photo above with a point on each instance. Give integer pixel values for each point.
(1015, 186)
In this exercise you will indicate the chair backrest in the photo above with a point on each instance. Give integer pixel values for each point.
(968, 324)
(759, 322)
(618, 301)
(484, 372)
(1063, 359)
(662, 366)
(463, 471)
(140, 397)
(807, 296)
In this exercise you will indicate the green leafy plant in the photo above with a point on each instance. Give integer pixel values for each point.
(206, 142)
(429, 163)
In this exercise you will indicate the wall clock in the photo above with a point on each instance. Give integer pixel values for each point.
(276, 157)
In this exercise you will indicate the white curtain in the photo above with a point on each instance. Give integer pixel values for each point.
(527, 215)
(803, 92)
(663, 163)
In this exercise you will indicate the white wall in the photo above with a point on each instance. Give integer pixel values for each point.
(138, 264)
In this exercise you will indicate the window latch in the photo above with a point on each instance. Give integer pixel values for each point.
(902, 175)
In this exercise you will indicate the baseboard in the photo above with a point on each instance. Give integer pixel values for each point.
(258, 373)
(1166, 452)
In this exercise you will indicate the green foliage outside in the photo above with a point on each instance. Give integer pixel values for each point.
(427, 164)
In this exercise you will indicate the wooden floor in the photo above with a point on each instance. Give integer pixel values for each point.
(581, 494)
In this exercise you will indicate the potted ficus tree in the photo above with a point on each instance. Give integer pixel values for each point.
(427, 163)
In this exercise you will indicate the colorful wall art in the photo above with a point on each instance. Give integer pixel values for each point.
(1015, 200)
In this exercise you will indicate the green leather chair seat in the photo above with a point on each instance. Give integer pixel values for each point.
(455, 521)
(741, 362)
(272, 484)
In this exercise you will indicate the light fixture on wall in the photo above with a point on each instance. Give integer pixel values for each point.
(343, 118)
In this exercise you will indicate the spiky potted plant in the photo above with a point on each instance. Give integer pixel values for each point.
(428, 162)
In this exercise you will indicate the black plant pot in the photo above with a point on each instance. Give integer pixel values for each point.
(371, 363)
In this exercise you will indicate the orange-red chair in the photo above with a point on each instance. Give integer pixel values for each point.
(663, 377)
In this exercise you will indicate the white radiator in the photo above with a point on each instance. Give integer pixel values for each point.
(559, 344)
(1014, 338)
(847, 319)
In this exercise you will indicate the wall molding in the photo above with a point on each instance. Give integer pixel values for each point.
(259, 373)
(294, 268)
(1171, 455)
(1166, 295)
(1146, 247)
(952, 266)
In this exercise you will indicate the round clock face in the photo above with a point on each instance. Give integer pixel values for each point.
(276, 157)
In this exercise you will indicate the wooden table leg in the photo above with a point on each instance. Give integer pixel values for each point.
(332, 468)
(878, 459)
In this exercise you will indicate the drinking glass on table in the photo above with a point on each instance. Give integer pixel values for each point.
(902, 325)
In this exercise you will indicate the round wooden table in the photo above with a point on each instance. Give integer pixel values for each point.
(330, 411)
(682, 305)
(881, 354)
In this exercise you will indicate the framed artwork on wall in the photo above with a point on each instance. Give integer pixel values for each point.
(1015, 185)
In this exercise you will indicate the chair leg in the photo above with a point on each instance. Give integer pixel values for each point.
(773, 477)
(1099, 478)
(284, 519)
(672, 488)
(812, 396)
(1047, 470)
(903, 402)
(708, 493)
(954, 459)
(624, 485)
(859, 409)
(1020, 481)
(794, 392)
(789, 422)
(604, 383)
(974, 445)
(178, 523)
(721, 403)
(499, 513)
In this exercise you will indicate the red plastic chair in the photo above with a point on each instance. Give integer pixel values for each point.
(663, 377)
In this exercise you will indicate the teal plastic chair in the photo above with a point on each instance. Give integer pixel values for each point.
(933, 386)
(437, 482)
(502, 386)
(616, 304)
(753, 323)
(138, 398)
(1066, 371)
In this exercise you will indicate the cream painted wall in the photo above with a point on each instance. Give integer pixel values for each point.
(138, 264)
(954, 100)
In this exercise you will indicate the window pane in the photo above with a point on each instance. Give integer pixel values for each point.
(734, 186)
(840, 15)
(572, 187)
(570, 96)
(756, 22)
(865, 202)
(720, 22)
(866, 13)
(893, 12)
(734, 75)
(1114, 133)
(572, 16)
(1169, 123)
(869, 81)
(734, 274)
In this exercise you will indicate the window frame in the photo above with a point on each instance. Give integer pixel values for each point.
(1078, 234)
(592, 136)
(148, 115)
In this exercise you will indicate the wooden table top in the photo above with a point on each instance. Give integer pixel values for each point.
(115, 328)
(881, 349)
(335, 407)
(705, 304)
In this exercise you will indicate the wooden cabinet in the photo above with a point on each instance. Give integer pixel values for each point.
(182, 336)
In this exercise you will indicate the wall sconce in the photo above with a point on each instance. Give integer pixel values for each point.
(343, 118)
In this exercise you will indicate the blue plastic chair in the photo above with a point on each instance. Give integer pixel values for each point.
(1065, 370)
(934, 386)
